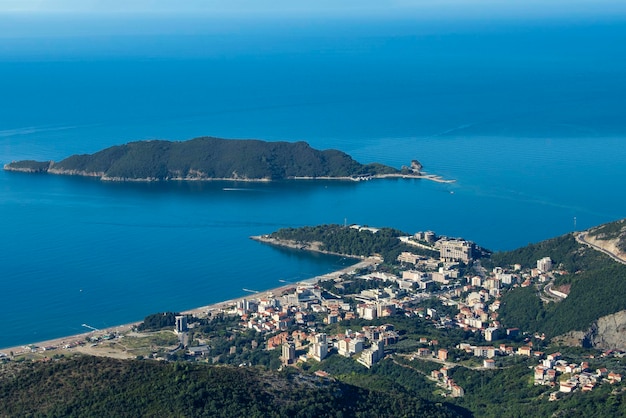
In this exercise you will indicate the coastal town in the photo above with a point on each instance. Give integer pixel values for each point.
(313, 209)
(361, 314)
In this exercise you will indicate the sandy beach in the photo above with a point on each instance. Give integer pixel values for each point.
(72, 340)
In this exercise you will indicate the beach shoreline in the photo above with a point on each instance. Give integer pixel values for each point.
(72, 340)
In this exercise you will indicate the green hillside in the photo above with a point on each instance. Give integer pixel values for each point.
(102, 387)
(565, 252)
(352, 241)
(210, 158)
(598, 288)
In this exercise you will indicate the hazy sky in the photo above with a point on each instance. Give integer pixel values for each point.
(322, 7)
(35, 18)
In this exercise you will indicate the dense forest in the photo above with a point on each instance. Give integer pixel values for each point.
(103, 387)
(352, 241)
(210, 158)
(30, 166)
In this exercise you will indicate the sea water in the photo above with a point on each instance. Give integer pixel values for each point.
(527, 118)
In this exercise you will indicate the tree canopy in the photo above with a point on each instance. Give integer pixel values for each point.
(105, 387)
(211, 158)
(352, 241)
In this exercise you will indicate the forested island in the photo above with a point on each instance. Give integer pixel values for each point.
(210, 158)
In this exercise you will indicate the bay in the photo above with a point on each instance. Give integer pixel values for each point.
(527, 118)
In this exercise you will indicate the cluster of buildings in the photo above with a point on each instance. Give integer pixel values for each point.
(302, 306)
(441, 377)
(369, 343)
(476, 298)
(293, 319)
(450, 249)
(489, 352)
(573, 376)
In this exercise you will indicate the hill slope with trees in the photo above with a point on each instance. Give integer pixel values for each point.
(359, 242)
(598, 288)
(104, 387)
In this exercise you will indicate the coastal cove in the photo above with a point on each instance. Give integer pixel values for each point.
(77, 341)
(526, 118)
(107, 253)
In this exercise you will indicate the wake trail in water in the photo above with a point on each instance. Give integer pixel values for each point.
(29, 130)
(192, 225)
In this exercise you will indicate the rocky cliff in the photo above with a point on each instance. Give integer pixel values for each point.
(607, 333)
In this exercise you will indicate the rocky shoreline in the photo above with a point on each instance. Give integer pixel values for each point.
(216, 159)
(296, 245)
(103, 177)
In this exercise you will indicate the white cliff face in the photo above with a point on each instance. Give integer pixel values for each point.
(610, 237)
(611, 245)
(83, 173)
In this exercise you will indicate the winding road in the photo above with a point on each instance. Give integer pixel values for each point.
(580, 237)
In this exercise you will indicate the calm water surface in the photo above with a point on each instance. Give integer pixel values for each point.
(527, 119)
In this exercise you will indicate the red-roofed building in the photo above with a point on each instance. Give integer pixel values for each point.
(614, 377)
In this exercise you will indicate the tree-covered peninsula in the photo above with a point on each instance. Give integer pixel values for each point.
(345, 241)
(210, 158)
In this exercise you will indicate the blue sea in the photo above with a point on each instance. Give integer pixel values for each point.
(527, 116)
